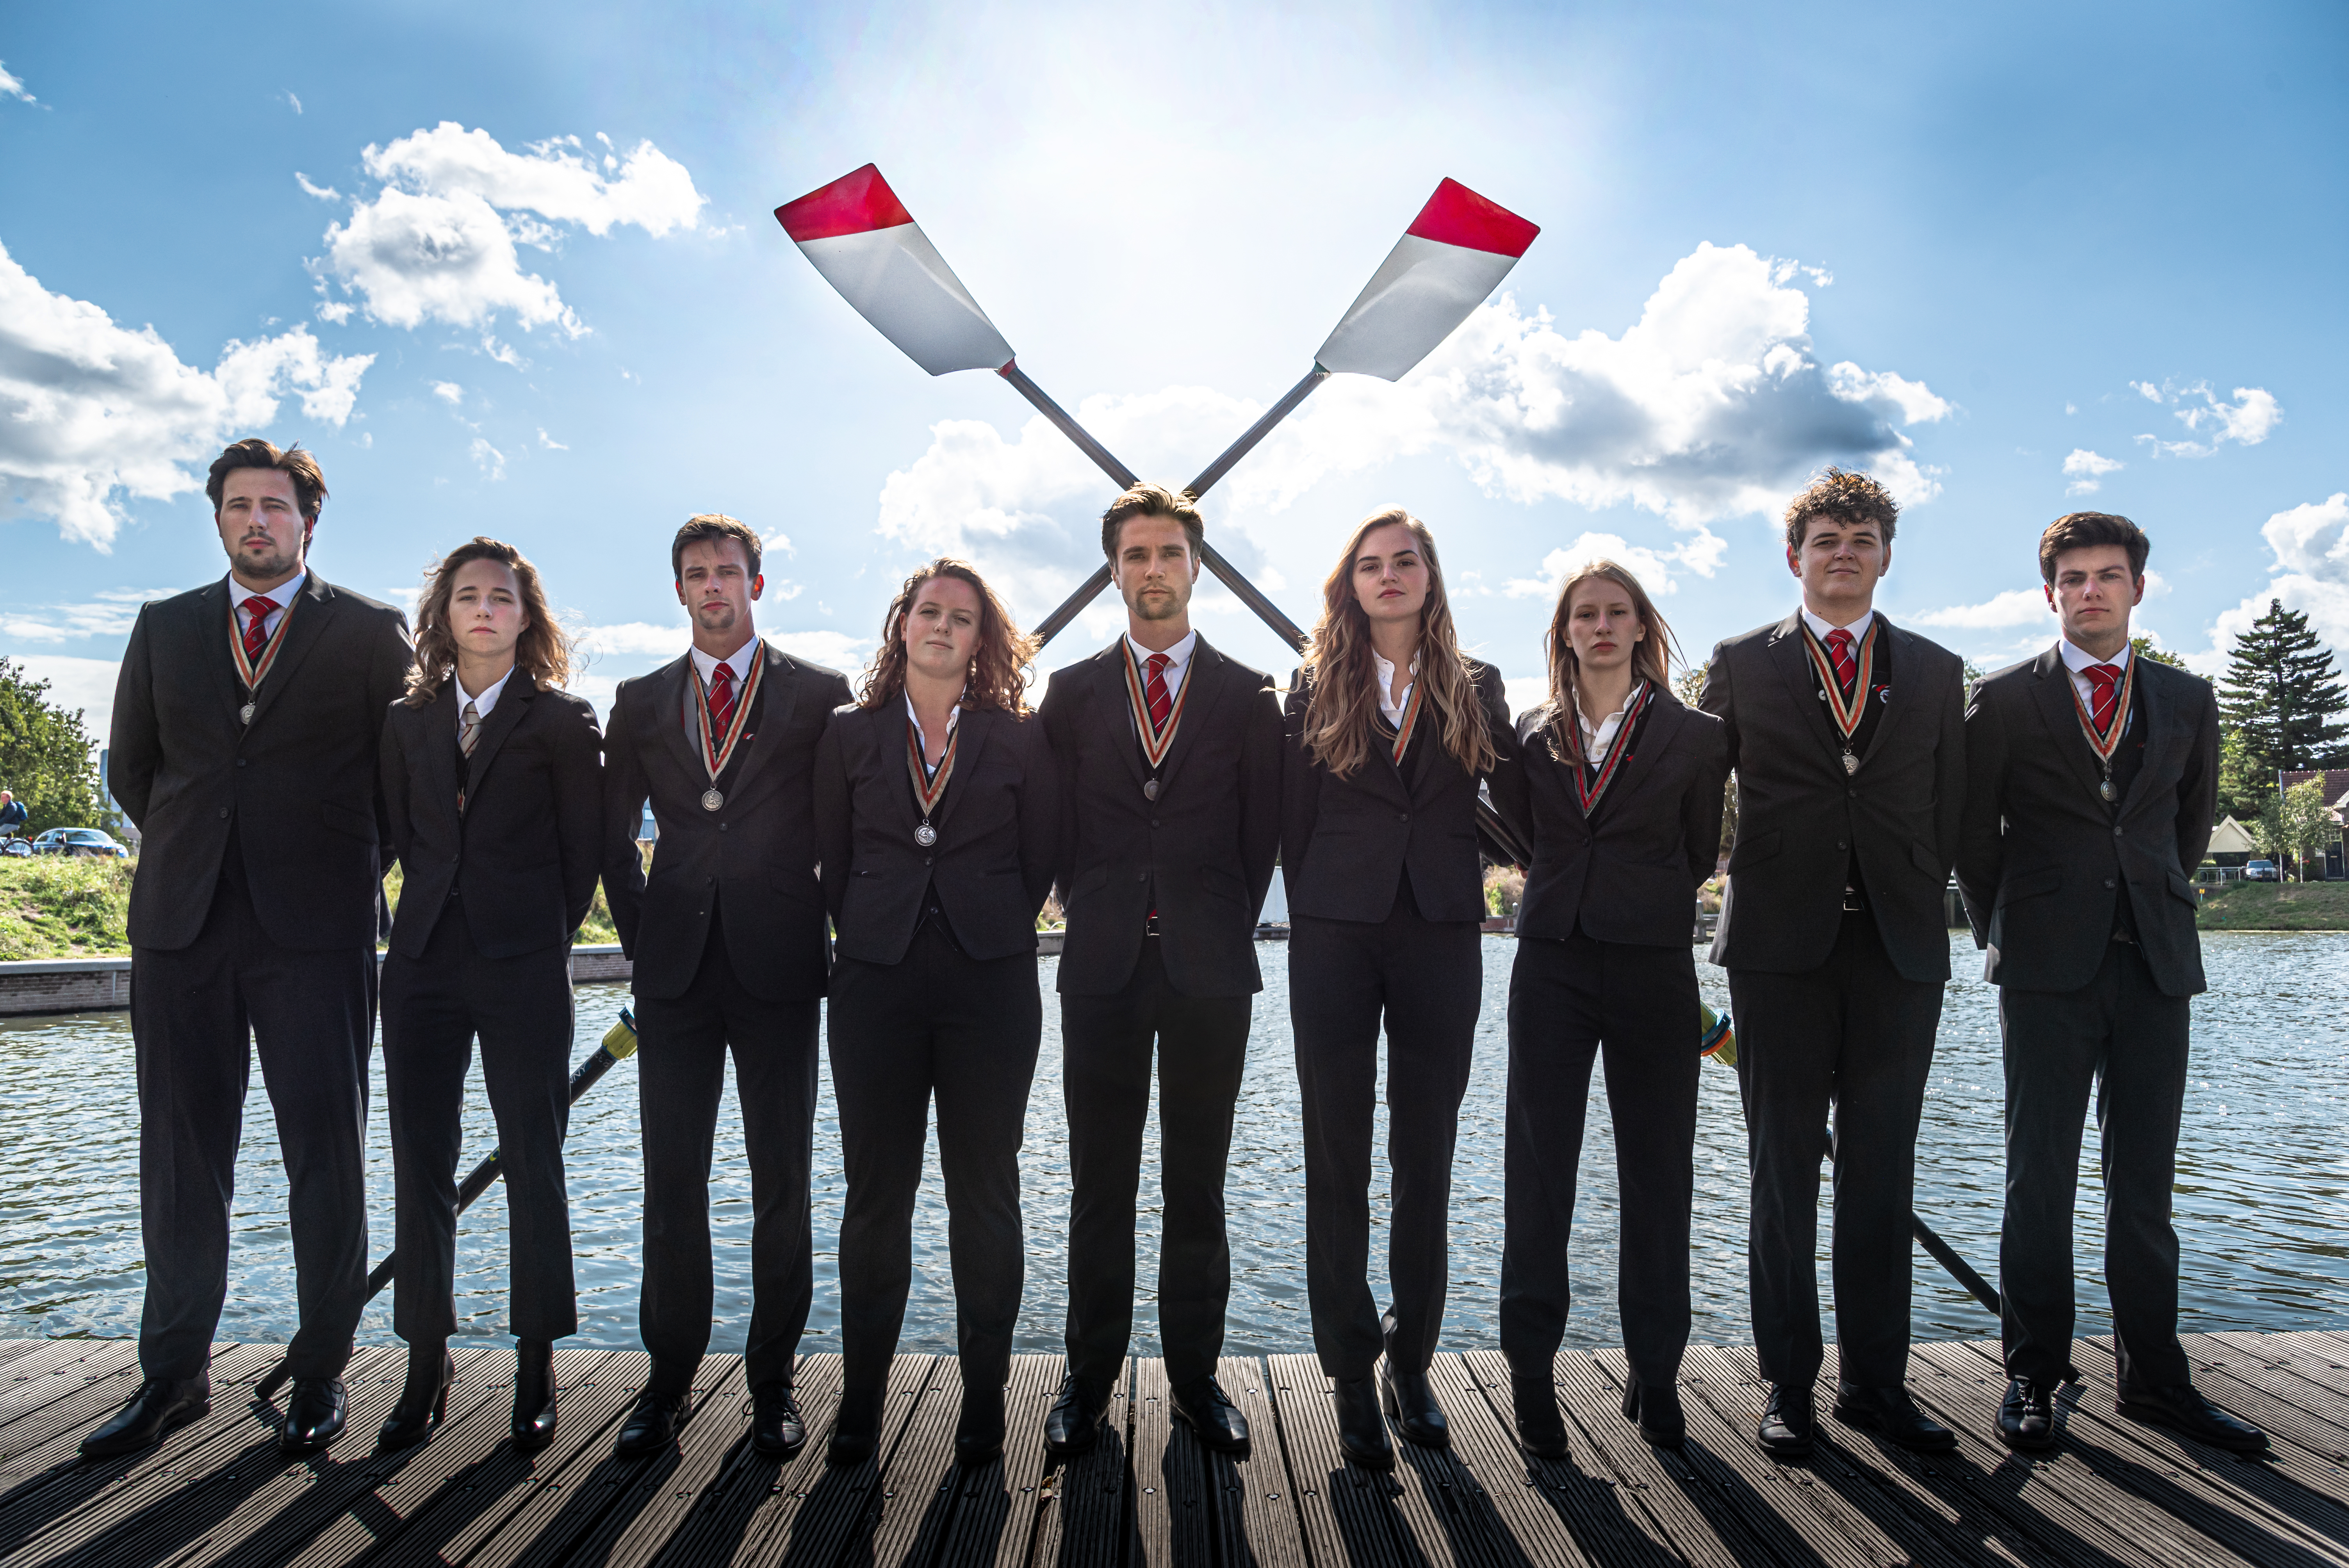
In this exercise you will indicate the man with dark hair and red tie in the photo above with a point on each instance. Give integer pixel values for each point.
(2092, 783)
(246, 720)
(1847, 734)
(727, 935)
(1170, 755)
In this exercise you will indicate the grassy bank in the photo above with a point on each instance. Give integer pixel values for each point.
(2277, 906)
(51, 907)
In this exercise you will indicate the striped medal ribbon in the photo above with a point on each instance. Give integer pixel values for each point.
(1410, 719)
(252, 671)
(1589, 790)
(1848, 711)
(2103, 745)
(717, 751)
(929, 787)
(1155, 742)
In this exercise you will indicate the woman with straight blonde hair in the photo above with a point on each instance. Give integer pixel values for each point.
(1618, 788)
(1391, 730)
(937, 811)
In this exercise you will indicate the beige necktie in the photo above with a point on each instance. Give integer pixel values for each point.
(469, 730)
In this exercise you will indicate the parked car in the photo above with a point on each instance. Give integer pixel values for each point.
(2261, 871)
(79, 841)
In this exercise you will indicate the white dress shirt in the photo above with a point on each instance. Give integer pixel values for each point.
(1392, 707)
(1178, 661)
(739, 661)
(482, 701)
(1594, 742)
(953, 717)
(2076, 660)
(281, 595)
(1820, 628)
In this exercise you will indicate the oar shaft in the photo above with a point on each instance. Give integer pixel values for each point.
(1100, 455)
(1258, 431)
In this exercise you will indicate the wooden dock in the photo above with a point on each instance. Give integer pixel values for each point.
(2113, 1495)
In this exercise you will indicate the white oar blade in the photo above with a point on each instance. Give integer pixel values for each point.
(866, 245)
(1449, 261)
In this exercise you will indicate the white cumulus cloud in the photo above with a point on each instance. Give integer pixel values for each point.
(489, 459)
(109, 614)
(438, 241)
(2248, 417)
(323, 193)
(91, 411)
(1655, 569)
(76, 682)
(2087, 470)
(2015, 607)
(15, 87)
(449, 392)
(2310, 573)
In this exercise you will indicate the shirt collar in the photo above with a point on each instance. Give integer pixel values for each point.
(1820, 626)
(1177, 657)
(281, 595)
(739, 661)
(2076, 658)
(953, 717)
(482, 701)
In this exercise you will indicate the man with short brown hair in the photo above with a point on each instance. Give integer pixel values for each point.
(2092, 786)
(246, 721)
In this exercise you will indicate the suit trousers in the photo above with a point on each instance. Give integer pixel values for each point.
(1426, 978)
(198, 1014)
(1569, 1001)
(967, 1030)
(1106, 1045)
(2119, 1035)
(433, 1007)
(1854, 1038)
(680, 1079)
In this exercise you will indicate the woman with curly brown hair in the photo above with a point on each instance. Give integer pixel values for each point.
(1391, 728)
(937, 809)
(494, 779)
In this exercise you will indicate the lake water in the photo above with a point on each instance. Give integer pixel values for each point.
(2263, 1167)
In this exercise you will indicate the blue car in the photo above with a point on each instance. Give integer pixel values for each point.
(88, 841)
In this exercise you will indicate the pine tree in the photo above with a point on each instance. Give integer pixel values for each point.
(2282, 697)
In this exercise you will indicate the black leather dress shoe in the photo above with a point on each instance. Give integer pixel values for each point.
(1074, 1420)
(2184, 1410)
(424, 1402)
(1541, 1430)
(776, 1429)
(1406, 1397)
(1893, 1416)
(1656, 1407)
(1361, 1431)
(160, 1405)
(1789, 1424)
(534, 1411)
(1200, 1404)
(651, 1425)
(978, 1429)
(2026, 1417)
(856, 1429)
(314, 1414)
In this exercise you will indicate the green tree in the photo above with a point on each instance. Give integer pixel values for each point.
(2144, 649)
(2296, 821)
(2282, 696)
(1689, 688)
(45, 759)
(2243, 790)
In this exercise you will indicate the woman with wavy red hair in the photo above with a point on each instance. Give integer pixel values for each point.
(937, 809)
(1389, 730)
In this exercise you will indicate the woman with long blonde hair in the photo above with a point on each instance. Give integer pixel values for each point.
(1618, 788)
(937, 813)
(1391, 730)
(493, 778)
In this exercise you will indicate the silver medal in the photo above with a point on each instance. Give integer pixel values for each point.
(711, 800)
(2107, 791)
(925, 835)
(244, 713)
(1850, 763)
(1150, 790)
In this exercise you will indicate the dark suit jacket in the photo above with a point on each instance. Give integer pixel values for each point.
(998, 828)
(756, 856)
(298, 786)
(1202, 853)
(525, 852)
(1631, 872)
(1347, 843)
(2046, 860)
(1802, 823)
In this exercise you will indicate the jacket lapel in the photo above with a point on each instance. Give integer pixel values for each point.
(778, 695)
(1110, 671)
(309, 625)
(215, 655)
(1887, 714)
(673, 696)
(1206, 682)
(2052, 691)
(2157, 717)
(1790, 653)
(438, 720)
(1656, 733)
(971, 733)
(511, 703)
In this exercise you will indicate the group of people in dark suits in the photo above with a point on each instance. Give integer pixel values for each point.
(870, 865)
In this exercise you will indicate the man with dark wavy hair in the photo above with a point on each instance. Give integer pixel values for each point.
(1848, 737)
(246, 720)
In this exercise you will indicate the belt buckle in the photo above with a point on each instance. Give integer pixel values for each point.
(1852, 902)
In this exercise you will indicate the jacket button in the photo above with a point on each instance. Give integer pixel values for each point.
(2108, 881)
(2117, 832)
(1402, 816)
(1840, 844)
(721, 827)
(1154, 821)
(240, 762)
(1853, 793)
(223, 813)
(927, 860)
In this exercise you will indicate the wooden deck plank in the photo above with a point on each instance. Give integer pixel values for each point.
(1564, 1513)
(72, 1398)
(2164, 1511)
(1446, 1509)
(1698, 1528)
(1086, 1518)
(65, 1366)
(411, 1483)
(479, 1500)
(995, 1504)
(750, 1484)
(1256, 1503)
(1154, 1483)
(2271, 1391)
(808, 1526)
(10, 1349)
(916, 1505)
(648, 1509)
(2320, 1358)
(1348, 1512)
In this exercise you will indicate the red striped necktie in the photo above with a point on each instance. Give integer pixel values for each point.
(1846, 667)
(722, 698)
(2104, 680)
(1154, 692)
(257, 611)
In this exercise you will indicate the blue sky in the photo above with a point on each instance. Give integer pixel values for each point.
(2000, 254)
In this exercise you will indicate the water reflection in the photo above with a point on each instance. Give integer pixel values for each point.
(2262, 1168)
